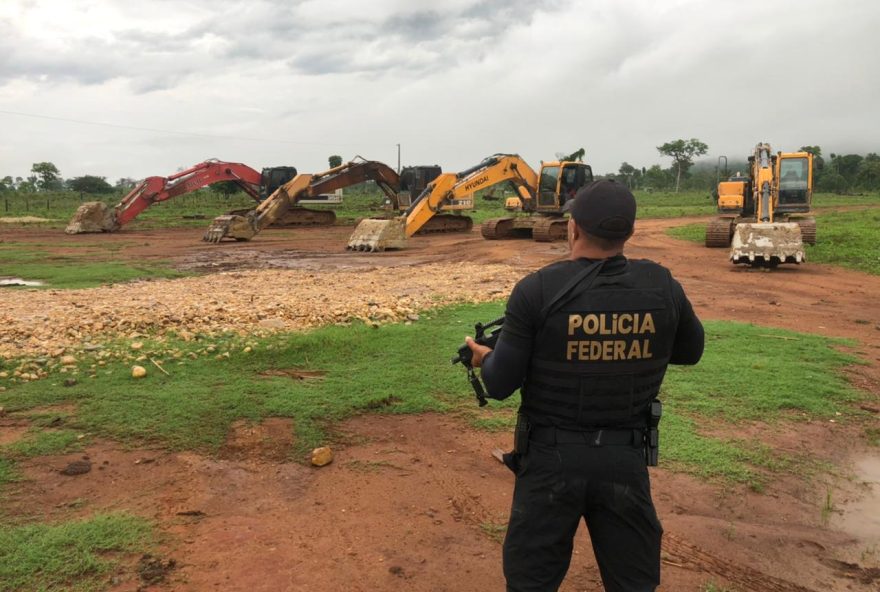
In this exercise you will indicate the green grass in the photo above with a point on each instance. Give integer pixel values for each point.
(39, 442)
(749, 374)
(8, 472)
(75, 556)
(847, 239)
(60, 206)
(76, 268)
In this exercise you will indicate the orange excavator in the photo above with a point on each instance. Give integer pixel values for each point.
(540, 198)
(99, 217)
(243, 227)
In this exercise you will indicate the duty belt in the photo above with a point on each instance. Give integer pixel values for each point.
(598, 437)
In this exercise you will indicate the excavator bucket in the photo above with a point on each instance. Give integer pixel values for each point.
(767, 244)
(377, 235)
(233, 227)
(92, 216)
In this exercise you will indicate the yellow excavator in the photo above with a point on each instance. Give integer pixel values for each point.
(450, 194)
(242, 227)
(765, 218)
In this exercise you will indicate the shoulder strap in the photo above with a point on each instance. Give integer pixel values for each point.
(583, 278)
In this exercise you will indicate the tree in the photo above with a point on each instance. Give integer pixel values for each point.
(869, 172)
(847, 165)
(657, 178)
(227, 188)
(682, 153)
(7, 184)
(125, 184)
(335, 161)
(48, 176)
(629, 173)
(90, 184)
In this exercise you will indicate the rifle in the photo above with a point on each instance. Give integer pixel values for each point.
(465, 356)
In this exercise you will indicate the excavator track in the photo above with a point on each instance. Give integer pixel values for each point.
(808, 230)
(497, 228)
(300, 217)
(718, 233)
(446, 223)
(548, 230)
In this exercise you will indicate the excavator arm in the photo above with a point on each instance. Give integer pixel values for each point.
(302, 186)
(448, 192)
(96, 217)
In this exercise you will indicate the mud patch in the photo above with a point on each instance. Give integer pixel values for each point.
(272, 439)
(861, 516)
(11, 432)
(152, 570)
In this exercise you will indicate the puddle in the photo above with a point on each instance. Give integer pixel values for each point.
(862, 517)
(19, 282)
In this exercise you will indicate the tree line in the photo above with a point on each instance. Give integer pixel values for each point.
(45, 176)
(840, 173)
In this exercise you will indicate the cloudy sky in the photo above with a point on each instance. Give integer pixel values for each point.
(143, 88)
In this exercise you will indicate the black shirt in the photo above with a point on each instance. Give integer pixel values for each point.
(504, 370)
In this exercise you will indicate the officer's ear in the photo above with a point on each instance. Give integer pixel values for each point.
(574, 232)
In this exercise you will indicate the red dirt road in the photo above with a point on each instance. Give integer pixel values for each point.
(417, 503)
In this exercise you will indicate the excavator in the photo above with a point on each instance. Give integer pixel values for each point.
(98, 217)
(543, 194)
(242, 227)
(765, 217)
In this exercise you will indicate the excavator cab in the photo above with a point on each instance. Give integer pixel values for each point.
(795, 187)
(559, 182)
(274, 177)
(413, 180)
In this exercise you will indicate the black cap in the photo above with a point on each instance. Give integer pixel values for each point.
(604, 208)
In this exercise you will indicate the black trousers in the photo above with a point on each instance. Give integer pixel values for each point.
(557, 485)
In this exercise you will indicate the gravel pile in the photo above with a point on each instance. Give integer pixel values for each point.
(52, 322)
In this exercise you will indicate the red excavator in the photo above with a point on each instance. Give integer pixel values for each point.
(99, 217)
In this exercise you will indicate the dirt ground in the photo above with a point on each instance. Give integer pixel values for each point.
(417, 502)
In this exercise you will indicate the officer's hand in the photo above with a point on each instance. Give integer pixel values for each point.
(479, 351)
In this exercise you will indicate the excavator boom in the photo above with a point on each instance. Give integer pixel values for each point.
(98, 217)
(303, 186)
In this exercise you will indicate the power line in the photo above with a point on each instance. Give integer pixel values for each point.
(165, 131)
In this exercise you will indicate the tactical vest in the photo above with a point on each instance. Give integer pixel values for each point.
(600, 358)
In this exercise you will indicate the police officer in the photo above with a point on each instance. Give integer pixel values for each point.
(588, 340)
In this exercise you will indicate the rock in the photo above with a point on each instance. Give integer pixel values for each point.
(322, 456)
(274, 323)
(68, 360)
(2, 411)
(77, 467)
(70, 382)
(136, 345)
(4, 374)
(138, 371)
(92, 216)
